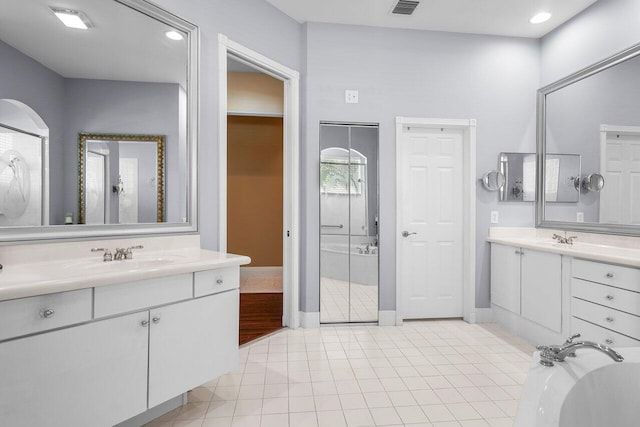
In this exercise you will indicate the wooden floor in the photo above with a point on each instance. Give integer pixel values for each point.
(260, 315)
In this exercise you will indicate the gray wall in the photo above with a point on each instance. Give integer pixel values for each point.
(101, 106)
(605, 28)
(255, 24)
(424, 74)
(27, 81)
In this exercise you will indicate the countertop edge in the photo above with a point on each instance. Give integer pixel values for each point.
(65, 284)
(569, 251)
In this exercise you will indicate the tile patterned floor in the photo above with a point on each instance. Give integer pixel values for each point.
(337, 297)
(424, 373)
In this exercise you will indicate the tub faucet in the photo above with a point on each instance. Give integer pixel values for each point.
(556, 353)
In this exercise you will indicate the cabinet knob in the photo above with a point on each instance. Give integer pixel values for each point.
(609, 297)
(156, 320)
(609, 275)
(609, 341)
(144, 323)
(219, 281)
(48, 313)
(609, 319)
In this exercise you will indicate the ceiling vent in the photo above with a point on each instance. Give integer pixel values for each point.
(405, 7)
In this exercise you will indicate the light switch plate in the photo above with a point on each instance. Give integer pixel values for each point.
(351, 96)
(580, 216)
(494, 217)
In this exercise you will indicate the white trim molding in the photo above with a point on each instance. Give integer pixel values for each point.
(310, 319)
(386, 318)
(468, 126)
(481, 315)
(291, 240)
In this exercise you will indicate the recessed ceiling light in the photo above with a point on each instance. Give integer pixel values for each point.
(173, 35)
(73, 18)
(540, 18)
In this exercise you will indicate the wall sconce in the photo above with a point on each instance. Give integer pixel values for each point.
(119, 187)
(492, 180)
(594, 182)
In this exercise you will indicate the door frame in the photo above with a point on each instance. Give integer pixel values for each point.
(291, 121)
(605, 130)
(468, 126)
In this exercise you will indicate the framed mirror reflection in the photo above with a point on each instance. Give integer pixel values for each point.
(121, 179)
(594, 113)
(110, 104)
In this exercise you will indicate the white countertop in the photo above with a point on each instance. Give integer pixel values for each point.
(24, 279)
(611, 249)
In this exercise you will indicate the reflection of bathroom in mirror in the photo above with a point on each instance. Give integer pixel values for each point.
(121, 179)
(519, 170)
(24, 156)
(348, 223)
(123, 76)
(596, 114)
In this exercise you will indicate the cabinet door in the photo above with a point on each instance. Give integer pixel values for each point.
(192, 343)
(505, 277)
(88, 375)
(542, 288)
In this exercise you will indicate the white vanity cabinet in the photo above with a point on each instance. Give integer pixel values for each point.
(76, 376)
(505, 277)
(605, 303)
(528, 284)
(191, 343)
(117, 350)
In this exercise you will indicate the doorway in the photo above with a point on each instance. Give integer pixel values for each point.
(348, 223)
(288, 240)
(435, 216)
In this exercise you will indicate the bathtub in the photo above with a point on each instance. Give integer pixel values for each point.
(334, 263)
(590, 390)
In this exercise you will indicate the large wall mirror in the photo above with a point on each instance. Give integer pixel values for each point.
(98, 120)
(594, 113)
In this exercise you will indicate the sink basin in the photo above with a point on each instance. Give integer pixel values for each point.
(138, 262)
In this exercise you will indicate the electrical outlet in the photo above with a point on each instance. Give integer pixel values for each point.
(580, 216)
(351, 96)
(494, 217)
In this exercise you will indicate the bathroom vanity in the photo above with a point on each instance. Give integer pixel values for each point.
(86, 342)
(546, 291)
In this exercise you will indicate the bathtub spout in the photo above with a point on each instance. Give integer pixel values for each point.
(550, 354)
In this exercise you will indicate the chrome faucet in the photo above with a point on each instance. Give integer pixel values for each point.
(556, 353)
(122, 253)
(564, 240)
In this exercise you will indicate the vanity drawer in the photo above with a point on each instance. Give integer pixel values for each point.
(132, 296)
(215, 281)
(606, 317)
(34, 314)
(617, 298)
(608, 274)
(591, 332)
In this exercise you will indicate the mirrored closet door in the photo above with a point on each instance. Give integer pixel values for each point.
(348, 223)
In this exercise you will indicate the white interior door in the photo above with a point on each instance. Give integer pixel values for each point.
(431, 203)
(620, 197)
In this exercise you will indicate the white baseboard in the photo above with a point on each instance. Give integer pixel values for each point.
(483, 315)
(155, 412)
(310, 319)
(260, 271)
(387, 318)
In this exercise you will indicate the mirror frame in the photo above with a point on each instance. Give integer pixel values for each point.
(541, 221)
(82, 162)
(18, 235)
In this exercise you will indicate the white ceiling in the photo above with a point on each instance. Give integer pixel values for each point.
(124, 45)
(497, 17)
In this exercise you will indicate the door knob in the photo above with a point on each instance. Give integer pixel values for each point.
(407, 234)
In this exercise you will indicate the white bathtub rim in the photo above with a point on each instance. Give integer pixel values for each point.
(546, 388)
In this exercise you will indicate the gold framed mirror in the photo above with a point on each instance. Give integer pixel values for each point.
(121, 178)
